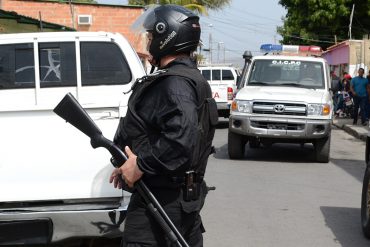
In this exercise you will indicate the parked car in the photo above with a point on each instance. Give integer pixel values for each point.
(53, 185)
(283, 98)
(222, 80)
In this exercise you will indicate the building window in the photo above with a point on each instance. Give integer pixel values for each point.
(103, 63)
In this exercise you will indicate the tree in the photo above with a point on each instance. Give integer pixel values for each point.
(321, 22)
(200, 6)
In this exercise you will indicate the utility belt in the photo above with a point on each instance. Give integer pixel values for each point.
(191, 183)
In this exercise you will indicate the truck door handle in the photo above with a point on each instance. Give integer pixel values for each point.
(104, 115)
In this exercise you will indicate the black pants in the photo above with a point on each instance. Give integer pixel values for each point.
(360, 102)
(141, 229)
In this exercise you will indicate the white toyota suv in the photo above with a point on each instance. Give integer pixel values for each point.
(284, 98)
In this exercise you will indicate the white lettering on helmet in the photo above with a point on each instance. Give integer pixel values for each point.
(167, 40)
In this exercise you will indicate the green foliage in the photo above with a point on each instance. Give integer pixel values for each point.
(319, 21)
(200, 6)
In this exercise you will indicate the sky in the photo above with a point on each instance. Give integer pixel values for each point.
(243, 25)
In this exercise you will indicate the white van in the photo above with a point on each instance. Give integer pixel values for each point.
(53, 185)
(222, 80)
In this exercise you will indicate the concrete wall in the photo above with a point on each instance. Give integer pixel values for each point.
(359, 56)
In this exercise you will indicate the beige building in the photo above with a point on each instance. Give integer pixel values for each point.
(349, 56)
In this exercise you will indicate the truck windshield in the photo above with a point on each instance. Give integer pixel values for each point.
(274, 72)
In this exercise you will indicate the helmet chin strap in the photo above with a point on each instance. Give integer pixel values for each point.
(153, 62)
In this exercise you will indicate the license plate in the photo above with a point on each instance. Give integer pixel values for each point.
(277, 126)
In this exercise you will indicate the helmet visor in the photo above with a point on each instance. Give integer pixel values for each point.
(145, 22)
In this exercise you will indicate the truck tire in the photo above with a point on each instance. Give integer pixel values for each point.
(365, 204)
(322, 149)
(236, 145)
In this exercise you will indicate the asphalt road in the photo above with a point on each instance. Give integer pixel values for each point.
(279, 196)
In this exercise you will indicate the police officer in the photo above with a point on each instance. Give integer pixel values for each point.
(168, 131)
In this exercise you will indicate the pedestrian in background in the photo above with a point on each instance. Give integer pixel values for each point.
(344, 91)
(360, 88)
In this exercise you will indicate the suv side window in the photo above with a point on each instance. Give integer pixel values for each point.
(216, 74)
(57, 64)
(17, 66)
(227, 75)
(207, 74)
(103, 63)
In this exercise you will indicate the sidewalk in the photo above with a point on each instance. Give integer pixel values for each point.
(357, 131)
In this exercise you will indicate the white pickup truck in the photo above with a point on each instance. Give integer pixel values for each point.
(284, 98)
(53, 185)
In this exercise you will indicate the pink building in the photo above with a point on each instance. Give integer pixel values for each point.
(348, 56)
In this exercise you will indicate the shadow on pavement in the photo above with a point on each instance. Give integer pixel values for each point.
(277, 152)
(356, 168)
(345, 223)
(223, 123)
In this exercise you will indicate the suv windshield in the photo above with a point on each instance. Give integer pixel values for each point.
(290, 73)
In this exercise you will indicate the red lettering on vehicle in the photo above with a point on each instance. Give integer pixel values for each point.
(216, 95)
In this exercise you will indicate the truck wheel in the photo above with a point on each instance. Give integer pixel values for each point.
(365, 204)
(322, 149)
(236, 145)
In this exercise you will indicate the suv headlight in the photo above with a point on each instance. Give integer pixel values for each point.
(318, 109)
(242, 106)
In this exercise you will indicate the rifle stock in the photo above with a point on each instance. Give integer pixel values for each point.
(70, 110)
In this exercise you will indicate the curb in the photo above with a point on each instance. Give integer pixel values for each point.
(353, 132)
(350, 130)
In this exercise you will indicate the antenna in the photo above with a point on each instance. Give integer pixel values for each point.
(350, 22)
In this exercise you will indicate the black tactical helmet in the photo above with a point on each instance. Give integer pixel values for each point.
(174, 30)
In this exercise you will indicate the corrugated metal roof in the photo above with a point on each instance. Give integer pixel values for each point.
(28, 20)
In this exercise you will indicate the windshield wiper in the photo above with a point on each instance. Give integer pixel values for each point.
(291, 84)
(258, 83)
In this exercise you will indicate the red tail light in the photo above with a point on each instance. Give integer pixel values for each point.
(230, 93)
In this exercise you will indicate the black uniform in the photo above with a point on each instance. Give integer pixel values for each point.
(161, 127)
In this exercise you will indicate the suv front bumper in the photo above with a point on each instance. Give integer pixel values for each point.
(289, 128)
(49, 224)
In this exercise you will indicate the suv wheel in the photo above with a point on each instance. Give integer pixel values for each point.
(322, 149)
(236, 145)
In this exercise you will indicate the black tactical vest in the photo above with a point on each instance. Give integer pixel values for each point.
(207, 114)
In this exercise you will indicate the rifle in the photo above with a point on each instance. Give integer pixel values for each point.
(70, 110)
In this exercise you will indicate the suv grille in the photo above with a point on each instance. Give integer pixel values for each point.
(279, 108)
(277, 125)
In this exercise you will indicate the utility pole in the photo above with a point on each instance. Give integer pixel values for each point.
(350, 22)
(219, 49)
(210, 43)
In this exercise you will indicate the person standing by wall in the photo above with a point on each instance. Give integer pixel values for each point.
(359, 88)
